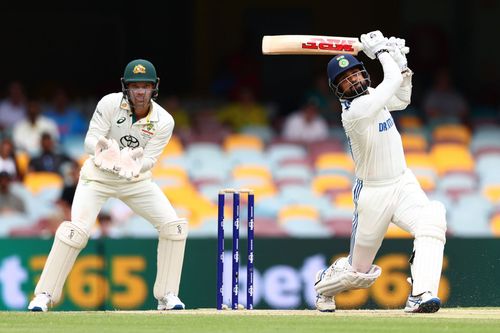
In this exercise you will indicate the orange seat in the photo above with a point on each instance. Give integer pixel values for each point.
(243, 141)
(419, 160)
(495, 224)
(22, 160)
(333, 183)
(396, 232)
(187, 199)
(492, 192)
(38, 181)
(409, 122)
(452, 133)
(414, 142)
(171, 171)
(297, 211)
(334, 161)
(173, 148)
(452, 158)
(344, 200)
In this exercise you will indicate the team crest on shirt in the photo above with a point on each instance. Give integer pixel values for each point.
(148, 130)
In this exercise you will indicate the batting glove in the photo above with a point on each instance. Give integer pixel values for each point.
(374, 43)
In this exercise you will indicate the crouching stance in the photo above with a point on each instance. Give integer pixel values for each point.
(385, 190)
(126, 135)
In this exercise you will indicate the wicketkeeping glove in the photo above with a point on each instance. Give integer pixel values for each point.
(373, 42)
(107, 154)
(130, 162)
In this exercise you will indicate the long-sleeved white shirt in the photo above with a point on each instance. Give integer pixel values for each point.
(113, 120)
(375, 143)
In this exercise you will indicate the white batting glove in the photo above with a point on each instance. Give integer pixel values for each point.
(399, 58)
(373, 43)
(399, 43)
(107, 154)
(130, 162)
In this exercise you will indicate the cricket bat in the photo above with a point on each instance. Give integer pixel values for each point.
(310, 44)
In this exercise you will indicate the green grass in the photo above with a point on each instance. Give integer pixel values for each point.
(149, 321)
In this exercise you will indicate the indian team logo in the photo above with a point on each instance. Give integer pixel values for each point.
(139, 69)
(343, 62)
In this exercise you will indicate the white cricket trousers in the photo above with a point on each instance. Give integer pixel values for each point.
(144, 197)
(378, 203)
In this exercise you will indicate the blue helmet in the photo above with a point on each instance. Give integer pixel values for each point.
(340, 64)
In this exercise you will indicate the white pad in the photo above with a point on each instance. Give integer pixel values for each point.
(68, 242)
(171, 244)
(340, 277)
(430, 237)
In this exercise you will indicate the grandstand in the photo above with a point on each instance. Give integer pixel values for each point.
(301, 189)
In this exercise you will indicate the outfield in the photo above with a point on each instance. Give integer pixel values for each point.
(466, 320)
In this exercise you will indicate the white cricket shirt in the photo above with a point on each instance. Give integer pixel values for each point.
(375, 143)
(113, 120)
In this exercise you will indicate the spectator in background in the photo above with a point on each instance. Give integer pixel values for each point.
(8, 162)
(49, 159)
(13, 108)
(443, 103)
(28, 132)
(306, 125)
(173, 106)
(9, 202)
(327, 104)
(69, 119)
(71, 177)
(244, 111)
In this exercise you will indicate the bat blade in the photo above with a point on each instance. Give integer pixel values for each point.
(310, 44)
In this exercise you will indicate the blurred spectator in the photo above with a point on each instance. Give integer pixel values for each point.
(13, 108)
(328, 104)
(28, 132)
(244, 111)
(71, 177)
(443, 102)
(49, 159)
(9, 202)
(173, 106)
(69, 119)
(306, 125)
(8, 162)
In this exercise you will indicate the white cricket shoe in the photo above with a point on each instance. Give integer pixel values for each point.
(423, 303)
(325, 303)
(40, 303)
(170, 302)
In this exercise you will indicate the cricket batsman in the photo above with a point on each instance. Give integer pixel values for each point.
(385, 189)
(127, 133)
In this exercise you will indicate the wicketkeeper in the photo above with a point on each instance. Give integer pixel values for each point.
(385, 189)
(126, 135)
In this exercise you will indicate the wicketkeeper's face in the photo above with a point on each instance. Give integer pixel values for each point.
(140, 93)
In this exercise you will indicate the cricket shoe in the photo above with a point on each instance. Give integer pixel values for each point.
(325, 303)
(170, 302)
(40, 303)
(423, 303)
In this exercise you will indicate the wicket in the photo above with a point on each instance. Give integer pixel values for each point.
(235, 254)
